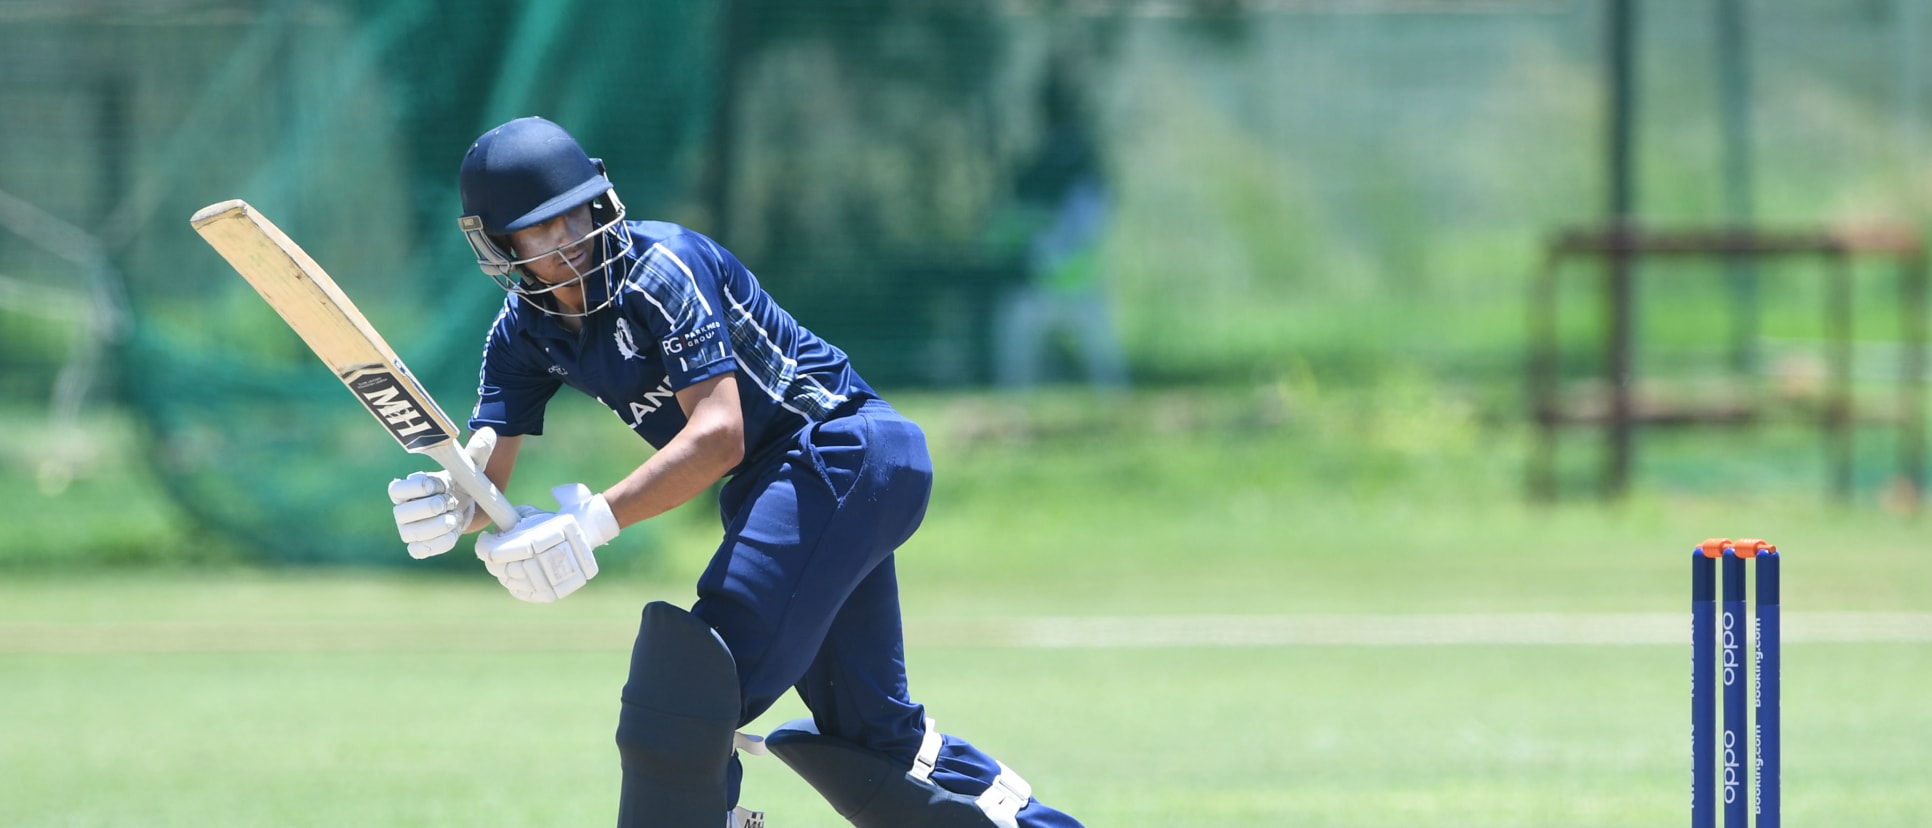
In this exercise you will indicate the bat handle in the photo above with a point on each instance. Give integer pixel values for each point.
(464, 473)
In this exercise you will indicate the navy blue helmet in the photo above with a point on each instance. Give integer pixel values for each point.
(522, 174)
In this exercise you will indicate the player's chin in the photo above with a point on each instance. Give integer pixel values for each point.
(551, 280)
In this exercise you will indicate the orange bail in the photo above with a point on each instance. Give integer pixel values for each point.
(1714, 547)
(1752, 547)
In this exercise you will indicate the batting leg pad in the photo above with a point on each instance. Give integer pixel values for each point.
(871, 790)
(675, 732)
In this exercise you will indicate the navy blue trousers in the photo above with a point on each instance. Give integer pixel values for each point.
(803, 592)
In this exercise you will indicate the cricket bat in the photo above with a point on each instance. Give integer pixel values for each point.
(309, 301)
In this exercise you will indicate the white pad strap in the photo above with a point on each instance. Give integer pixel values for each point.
(749, 743)
(928, 757)
(1003, 799)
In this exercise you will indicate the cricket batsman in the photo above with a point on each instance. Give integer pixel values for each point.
(823, 481)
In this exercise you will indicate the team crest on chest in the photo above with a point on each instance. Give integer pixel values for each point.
(626, 343)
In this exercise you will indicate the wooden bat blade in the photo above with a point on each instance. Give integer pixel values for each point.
(304, 295)
(297, 288)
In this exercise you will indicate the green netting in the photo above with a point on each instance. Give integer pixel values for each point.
(1343, 185)
(343, 122)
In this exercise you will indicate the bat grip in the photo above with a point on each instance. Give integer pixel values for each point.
(464, 473)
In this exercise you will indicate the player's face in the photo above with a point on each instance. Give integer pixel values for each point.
(561, 244)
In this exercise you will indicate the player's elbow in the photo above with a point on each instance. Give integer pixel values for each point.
(724, 442)
(731, 449)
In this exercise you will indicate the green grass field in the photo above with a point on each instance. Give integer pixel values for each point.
(1256, 608)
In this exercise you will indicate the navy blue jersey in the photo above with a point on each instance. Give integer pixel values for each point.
(686, 311)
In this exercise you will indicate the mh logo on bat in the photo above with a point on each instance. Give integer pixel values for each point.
(405, 416)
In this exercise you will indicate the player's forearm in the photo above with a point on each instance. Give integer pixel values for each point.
(683, 469)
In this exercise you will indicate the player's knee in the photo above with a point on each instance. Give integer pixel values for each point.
(683, 686)
(651, 742)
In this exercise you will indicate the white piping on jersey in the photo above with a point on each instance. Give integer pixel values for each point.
(687, 275)
(644, 261)
(633, 284)
(477, 410)
(791, 365)
(774, 395)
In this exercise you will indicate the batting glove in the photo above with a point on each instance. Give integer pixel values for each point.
(431, 512)
(548, 555)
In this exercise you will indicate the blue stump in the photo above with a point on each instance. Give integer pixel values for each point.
(1733, 637)
(1768, 696)
(1703, 690)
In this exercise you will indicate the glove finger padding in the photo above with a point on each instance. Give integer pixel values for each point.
(417, 486)
(424, 508)
(531, 585)
(429, 518)
(428, 529)
(511, 576)
(432, 547)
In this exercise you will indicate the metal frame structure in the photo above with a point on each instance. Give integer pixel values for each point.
(1619, 244)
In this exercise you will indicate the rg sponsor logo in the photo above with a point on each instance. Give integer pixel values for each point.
(690, 341)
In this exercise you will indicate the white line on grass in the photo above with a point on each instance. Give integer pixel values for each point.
(1527, 629)
(1433, 630)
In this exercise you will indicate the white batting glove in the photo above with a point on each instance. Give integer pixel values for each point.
(548, 555)
(431, 512)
